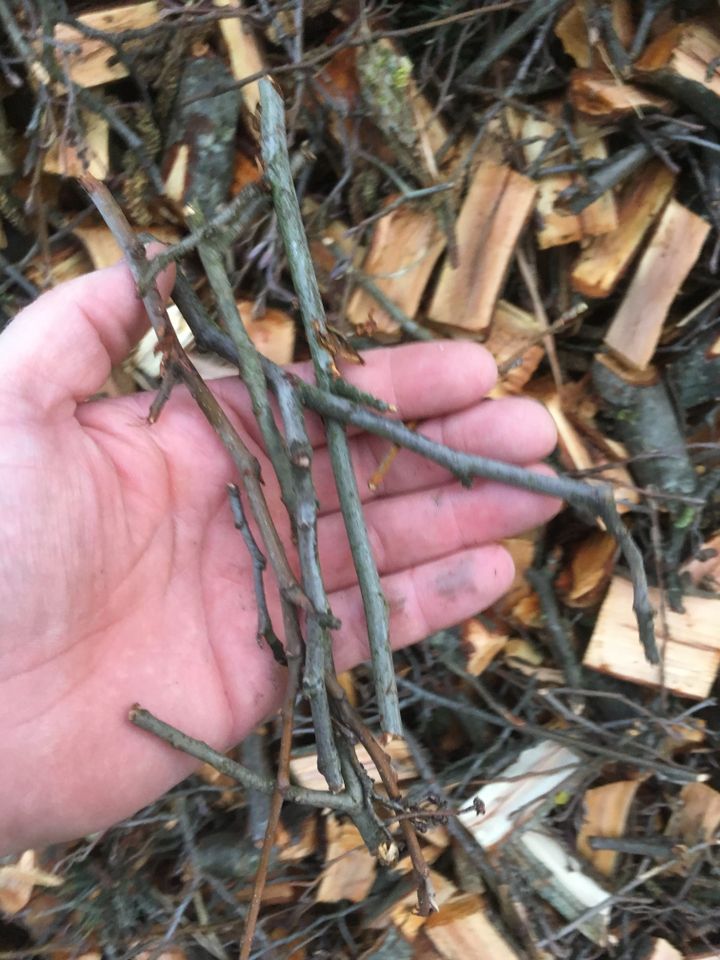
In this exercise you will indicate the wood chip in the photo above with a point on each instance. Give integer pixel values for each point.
(246, 58)
(497, 207)
(89, 61)
(662, 950)
(480, 645)
(584, 579)
(514, 797)
(68, 160)
(596, 93)
(605, 259)
(691, 654)
(673, 249)
(514, 342)
(17, 881)
(698, 817)
(605, 813)
(349, 870)
(405, 247)
(706, 573)
(462, 930)
(305, 772)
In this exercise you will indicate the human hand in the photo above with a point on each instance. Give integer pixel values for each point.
(122, 578)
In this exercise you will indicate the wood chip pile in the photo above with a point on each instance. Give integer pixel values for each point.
(542, 178)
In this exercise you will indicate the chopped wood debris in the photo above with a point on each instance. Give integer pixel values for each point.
(690, 652)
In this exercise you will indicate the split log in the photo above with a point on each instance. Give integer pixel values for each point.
(405, 247)
(605, 259)
(89, 61)
(497, 207)
(673, 249)
(690, 653)
(597, 93)
(682, 62)
(647, 424)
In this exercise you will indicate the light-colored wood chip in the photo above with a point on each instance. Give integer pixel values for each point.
(605, 813)
(305, 772)
(91, 156)
(589, 570)
(246, 58)
(496, 209)
(103, 248)
(662, 950)
(697, 819)
(673, 249)
(691, 653)
(462, 930)
(573, 31)
(17, 881)
(349, 870)
(480, 645)
(514, 341)
(501, 807)
(91, 62)
(405, 247)
(596, 93)
(273, 332)
(605, 259)
(685, 51)
(706, 573)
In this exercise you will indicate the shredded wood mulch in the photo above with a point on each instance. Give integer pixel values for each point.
(541, 177)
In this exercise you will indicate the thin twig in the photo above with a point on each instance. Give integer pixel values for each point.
(278, 174)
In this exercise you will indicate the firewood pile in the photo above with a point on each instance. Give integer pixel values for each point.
(540, 177)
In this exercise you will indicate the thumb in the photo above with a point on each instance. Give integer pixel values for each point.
(59, 351)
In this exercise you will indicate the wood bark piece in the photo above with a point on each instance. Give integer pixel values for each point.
(605, 259)
(679, 62)
(605, 814)
(89, 61)
(690, 654)
(497, 207)
(647, 424)
(198, 165)
(514, 798)
(350, 868)
(405, 247)
(462, 930)
(597, 93)
(673, 249)
(244, 51)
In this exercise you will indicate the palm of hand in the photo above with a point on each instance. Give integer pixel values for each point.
(124, 580)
